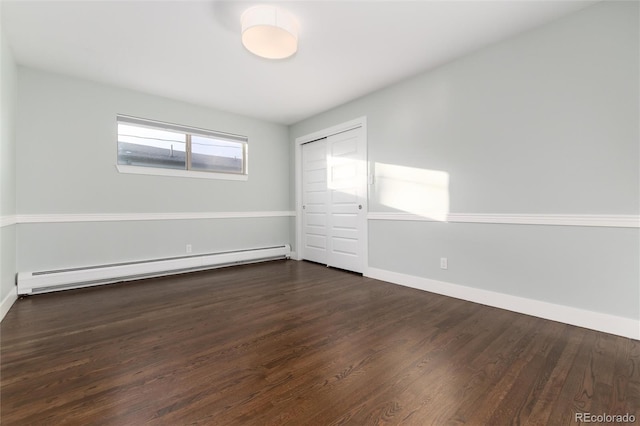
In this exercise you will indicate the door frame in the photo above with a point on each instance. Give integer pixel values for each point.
(360, 122)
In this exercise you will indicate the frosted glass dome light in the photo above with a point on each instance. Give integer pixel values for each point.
(269, 32)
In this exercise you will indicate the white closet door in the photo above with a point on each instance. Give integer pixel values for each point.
(347, 195)
(334, 186)
(314, 200)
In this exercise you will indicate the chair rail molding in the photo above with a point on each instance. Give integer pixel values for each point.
(118, 217)
(604, 220)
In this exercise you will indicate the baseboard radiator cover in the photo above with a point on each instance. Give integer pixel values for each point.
(65, 279)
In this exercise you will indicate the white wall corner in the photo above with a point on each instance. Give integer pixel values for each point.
(8, 220)
(621, 326)
(8, 302)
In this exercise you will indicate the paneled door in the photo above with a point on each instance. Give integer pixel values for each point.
(314, 201)
(334, 200)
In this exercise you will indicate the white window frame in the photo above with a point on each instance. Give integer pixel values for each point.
(159, 171)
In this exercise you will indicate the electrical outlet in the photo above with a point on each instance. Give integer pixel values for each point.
(444, 263)
(189, 248)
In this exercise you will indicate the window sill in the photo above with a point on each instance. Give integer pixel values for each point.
(179, 173)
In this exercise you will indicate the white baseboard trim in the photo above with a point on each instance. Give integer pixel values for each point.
(64, 279)
(8, 302)
(607, 323)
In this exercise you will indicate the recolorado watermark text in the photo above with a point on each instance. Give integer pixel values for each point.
(604, 418)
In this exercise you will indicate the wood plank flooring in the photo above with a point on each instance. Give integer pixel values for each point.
(297, 343)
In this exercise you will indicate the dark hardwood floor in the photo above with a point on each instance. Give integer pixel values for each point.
(297, 343)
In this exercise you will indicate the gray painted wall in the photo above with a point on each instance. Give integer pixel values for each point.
(50, 246)
(66, 156)
(544, 123)
(67, 153)
(8, 81)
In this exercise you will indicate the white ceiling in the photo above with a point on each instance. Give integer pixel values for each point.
(191, 50)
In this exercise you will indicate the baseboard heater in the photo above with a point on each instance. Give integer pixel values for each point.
(64, 279)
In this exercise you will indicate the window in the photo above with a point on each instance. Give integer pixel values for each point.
(152, 147)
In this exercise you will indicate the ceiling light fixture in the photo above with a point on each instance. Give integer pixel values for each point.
(269, 32)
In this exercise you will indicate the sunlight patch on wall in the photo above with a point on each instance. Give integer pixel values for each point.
(421, 192)
(343, 172)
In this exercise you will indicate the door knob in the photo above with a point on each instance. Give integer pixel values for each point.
(359, 206)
